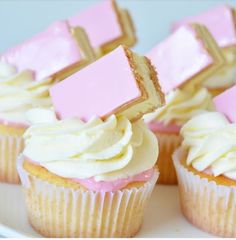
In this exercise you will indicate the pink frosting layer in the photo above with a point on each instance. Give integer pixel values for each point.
(225, 103)
(219, 21)
(96, 89)
(162, 128)
(180, 57)
(103, 186)
(13, 124)
(117, 184)
(46, 53)
(100, 23)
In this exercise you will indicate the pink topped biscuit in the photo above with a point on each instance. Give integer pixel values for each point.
(183, 56)
(107, 26)
(220, 21)
(47, 53)
(115, 84)
(226, 103)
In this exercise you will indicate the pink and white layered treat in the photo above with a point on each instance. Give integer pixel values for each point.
(107, 26)
(54, 52)
(114, 84)
(184, 60)
(220, 21)
(112, 146)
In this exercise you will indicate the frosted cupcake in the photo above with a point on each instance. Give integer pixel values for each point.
(206, 168)
(18, 93)
(50, 55)
(184, 61)
(93, 178)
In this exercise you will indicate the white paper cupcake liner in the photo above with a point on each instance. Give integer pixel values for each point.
(206, 204)
(56, 211)
(10, 148)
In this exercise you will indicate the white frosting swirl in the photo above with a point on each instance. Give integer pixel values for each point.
(211, 143)
(182, 105)
(19, 92)
(106, 150)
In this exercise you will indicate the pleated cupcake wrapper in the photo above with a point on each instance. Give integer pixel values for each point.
(168, 143)
(56, 211)
(10, 147)
(206, 204)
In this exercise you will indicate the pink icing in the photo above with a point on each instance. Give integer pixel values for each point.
(46, 53)
(219, 21)
(91, 184)
(97, 89)
(226, 103)
(114, 185)
(178, 58)
(100, 22)
(208, 171)
(162, 128)
(13, 124)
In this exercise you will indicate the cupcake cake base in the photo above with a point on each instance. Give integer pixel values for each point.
(59, 207)
(207, 203)
(11, 144)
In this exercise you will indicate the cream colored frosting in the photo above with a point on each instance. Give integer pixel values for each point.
(181, 105)
(211, 143)
(105, 150)
(19, 92)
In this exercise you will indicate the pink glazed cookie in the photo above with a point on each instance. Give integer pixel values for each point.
(82, 94)
(220, 21)
(195, 57)
(107, 26)
(50, 53)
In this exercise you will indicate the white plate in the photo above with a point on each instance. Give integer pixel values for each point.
(162, 219)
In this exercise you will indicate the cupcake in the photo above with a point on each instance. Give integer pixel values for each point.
(26, 72)
(90, 171)
(220, 21)
(206, 169)
(205, 166)
(19, 93)
(184, 61)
